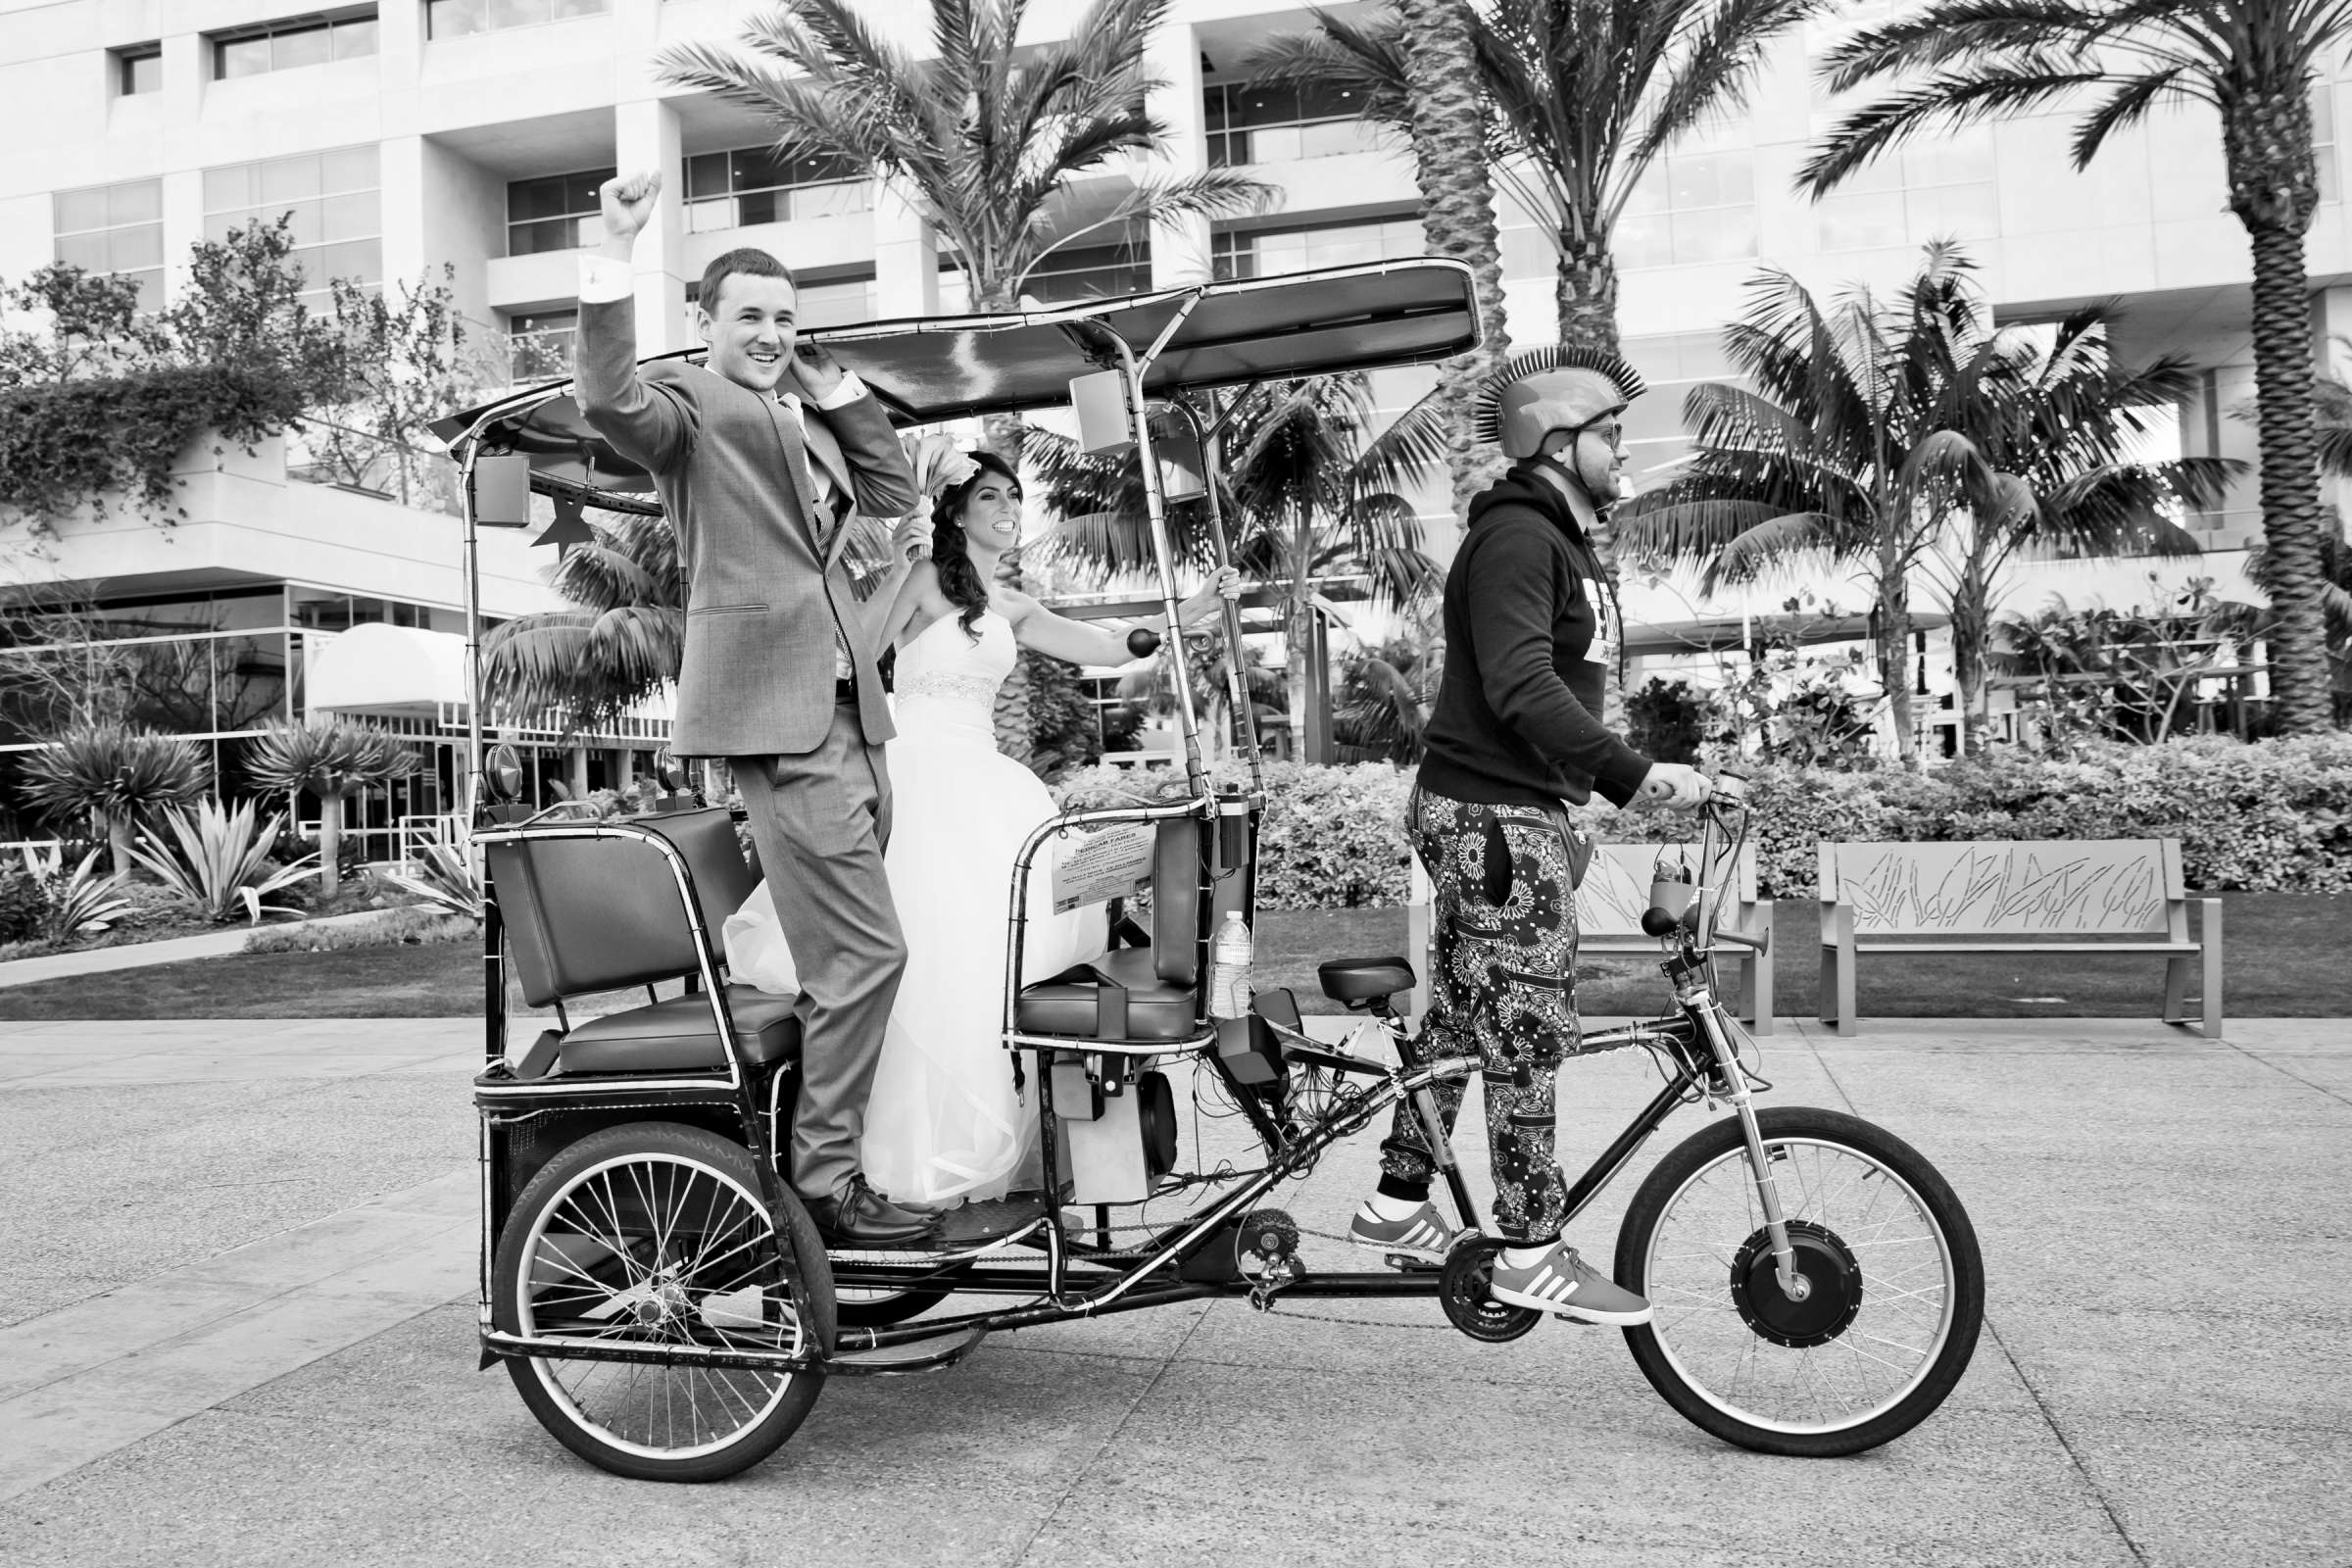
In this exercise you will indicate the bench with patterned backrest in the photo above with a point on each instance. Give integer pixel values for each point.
(1609, 911)
(585, 914)
(2026, 896)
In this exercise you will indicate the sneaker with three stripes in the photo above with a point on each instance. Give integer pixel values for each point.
(1559, 1281)
(1422, 1234)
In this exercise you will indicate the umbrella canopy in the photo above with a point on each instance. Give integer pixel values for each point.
(947, 367)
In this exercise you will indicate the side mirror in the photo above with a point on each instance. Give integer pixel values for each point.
(671, 772)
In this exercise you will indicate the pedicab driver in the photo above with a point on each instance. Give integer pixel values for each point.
(761, 456)
(1531, 632)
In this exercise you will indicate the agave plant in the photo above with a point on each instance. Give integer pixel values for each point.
(112, 773)
(332, 762)
(219, 859)
(444, 878)
(80, 900)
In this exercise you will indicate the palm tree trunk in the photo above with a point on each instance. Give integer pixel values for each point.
(117, 825)
(2289, 442)
(1894, 652)
(330, 842)
(1586, 294)
(1457, 215)
(1972, 631)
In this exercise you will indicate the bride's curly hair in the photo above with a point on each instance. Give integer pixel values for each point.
(958, 579)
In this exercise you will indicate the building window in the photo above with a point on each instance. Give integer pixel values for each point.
(1092, 273)
(1936, 189)
(1688, 208)
(539, 344)
(292, 42)
(753, 185)
(816, 302)
(1272, 252)
(1276, 125)
(453, 19)
(556, 213)
(330, 201)
(139, 70)
(115, 229)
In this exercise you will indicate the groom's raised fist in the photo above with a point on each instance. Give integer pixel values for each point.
(628, 203)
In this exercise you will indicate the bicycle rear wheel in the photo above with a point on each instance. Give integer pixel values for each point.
(649, 1236)
(1895, 1293)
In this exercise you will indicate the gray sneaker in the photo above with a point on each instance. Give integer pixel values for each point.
(1422, 1234)
(1562, 1282)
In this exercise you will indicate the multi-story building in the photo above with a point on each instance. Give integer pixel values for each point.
(403, 134)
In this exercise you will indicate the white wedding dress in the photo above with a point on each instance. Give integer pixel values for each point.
(943, 1121)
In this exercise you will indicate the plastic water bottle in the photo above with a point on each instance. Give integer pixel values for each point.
(1229, 983)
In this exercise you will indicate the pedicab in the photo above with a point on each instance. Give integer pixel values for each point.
(663, 1300)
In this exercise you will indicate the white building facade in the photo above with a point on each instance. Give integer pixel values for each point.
(403, 134)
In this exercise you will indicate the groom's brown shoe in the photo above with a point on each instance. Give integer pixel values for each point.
(860, 1216)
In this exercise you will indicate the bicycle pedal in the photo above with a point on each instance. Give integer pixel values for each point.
(1405, 1262)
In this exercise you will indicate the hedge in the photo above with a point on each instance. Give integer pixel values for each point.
(2270, 817)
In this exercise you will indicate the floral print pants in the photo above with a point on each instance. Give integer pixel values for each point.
(1502, 988)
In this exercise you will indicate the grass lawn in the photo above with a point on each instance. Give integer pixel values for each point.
(2286, 959)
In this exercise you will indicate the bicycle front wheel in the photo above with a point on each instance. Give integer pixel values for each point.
(1891, 1305)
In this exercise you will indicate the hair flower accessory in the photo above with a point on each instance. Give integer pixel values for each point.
(939, 465)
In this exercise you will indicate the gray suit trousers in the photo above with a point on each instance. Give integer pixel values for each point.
(820, 820)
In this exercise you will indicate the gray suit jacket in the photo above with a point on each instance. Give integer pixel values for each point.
(764, 585)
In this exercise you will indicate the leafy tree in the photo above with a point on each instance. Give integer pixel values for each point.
(1581, 99)
(1952, 63)
(985, 138)
(333, 761)
(112, 774)
(403, 359)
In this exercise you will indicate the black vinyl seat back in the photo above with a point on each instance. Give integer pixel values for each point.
(1180, 928)
(601, 913)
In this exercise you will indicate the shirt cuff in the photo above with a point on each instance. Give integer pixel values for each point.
(842, 396)
(604, 279)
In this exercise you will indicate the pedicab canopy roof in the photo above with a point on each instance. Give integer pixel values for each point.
(947, 367)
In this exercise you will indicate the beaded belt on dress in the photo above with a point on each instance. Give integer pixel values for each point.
(966, 688)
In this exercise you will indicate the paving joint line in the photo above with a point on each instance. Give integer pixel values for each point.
(2265, 1062)
(2049, 1419)
(1078, 1475)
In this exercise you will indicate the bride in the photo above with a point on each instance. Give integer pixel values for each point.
(943, 1121)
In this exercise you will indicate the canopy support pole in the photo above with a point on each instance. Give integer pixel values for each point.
(1212, 441)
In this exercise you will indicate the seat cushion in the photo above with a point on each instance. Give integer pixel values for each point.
(1364, 979)
(679, 1035)
(1119, 996)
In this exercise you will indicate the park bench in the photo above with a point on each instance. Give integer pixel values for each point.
(1608, 912)
(2026, 896)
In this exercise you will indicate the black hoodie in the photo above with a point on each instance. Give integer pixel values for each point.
(1518, 715)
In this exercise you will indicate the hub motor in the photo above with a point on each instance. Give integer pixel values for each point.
(1833, 1277)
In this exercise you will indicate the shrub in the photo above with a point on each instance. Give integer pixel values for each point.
(2272, 818)
(333, 761)
(24, 907)
(82, 899)
(397, 928)
(111, 774)
(219, 859)
(146, 904)
(442, 875)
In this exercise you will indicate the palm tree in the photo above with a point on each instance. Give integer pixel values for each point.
(333, 761)
(1582, 97)
(1457, 213)
(113, 774)
(988, 140)
(1827, 457)
(2036, 444)
(620, 646)
(1961, 61)
(1307, 495)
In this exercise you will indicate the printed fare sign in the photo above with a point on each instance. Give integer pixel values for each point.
(1113, 864)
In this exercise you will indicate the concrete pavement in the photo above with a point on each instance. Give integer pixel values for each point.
(239, 1329)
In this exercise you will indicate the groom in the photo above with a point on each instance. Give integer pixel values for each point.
(761, 456)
